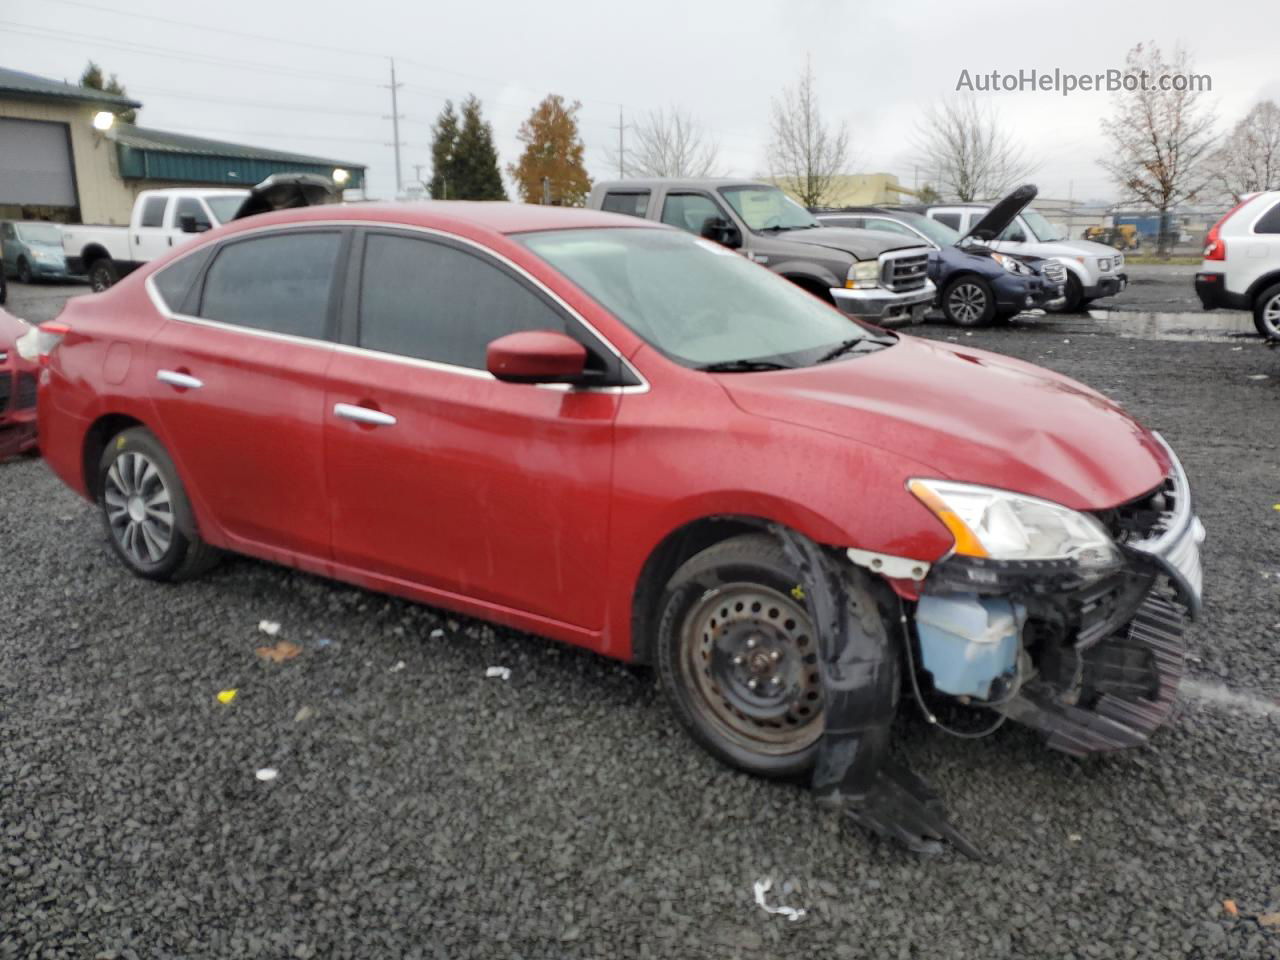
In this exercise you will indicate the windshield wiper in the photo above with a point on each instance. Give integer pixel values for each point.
(793, 226)
(742, 366)
(855, 345)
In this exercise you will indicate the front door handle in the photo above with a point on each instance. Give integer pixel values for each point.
(176, 379)
(351, 411)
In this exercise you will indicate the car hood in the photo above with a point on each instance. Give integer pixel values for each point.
(971, 416)
(1069, 248)
(11, 328)
(1001, 215)
(862, 244)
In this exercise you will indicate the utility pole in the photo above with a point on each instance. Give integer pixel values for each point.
(622, 147)
(395, 123)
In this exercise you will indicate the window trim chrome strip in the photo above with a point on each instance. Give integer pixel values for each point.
(160, 305)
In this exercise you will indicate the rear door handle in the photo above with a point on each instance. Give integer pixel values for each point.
(351, 411)
(176, 379)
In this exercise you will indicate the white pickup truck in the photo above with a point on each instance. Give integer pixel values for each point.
(161, 220)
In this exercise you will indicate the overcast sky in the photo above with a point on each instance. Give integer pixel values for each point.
(301, 81)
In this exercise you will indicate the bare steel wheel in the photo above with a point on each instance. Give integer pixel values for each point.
(1266, 313)
(751, 656)
(737, 656)
(139, 508)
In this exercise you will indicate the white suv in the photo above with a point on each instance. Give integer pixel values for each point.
(1093, 269)
(1241, 269)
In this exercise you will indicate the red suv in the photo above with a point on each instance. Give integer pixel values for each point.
(615, 434)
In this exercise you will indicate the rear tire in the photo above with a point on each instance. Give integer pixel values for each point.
(24, 270)
(969, 302)
(103, 274)
(1266, 312)
(737, 657)
(146, 512)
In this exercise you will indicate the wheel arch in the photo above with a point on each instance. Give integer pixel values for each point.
(811, 284)
(92, 253)
(96, 438)
(1261, 284)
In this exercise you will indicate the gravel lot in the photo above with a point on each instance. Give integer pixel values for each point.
(426, 811)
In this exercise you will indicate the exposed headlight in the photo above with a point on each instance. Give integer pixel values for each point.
(863, 274)
(1104, 264)
(1009, 526)
(1012, 264)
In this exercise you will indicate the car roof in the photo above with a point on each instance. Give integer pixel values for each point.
(481, 215)
(652, 183)
(838, 211)
(202, 191)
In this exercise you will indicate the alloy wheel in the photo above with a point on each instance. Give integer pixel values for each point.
(967, 303)
(139, 509)
(1271, 316)
(750, 657)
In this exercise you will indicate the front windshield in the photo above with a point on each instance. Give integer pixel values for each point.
(939, 233)
(42, 233)
(1044, 231)
(224, 207)
(696, 301)
(768, 208)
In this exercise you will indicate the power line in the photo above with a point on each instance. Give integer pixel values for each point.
(246, 102)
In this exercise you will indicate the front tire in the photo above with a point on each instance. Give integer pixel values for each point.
(1266, 312)
(1072, 296)
(737, 657)
(103, 274)
(969, 302)
(24, 271)
(146, 512)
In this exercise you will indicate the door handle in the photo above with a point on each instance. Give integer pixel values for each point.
(351, 411)
(176, 379)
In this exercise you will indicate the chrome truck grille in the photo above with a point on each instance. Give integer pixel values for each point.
(904, 270)
(1053, 271)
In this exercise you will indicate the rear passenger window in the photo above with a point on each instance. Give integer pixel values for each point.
(278, 283)
(173, 283)
(431, 301)
(952, 220)
(1269, 222)
(153, 211)
(633, 204)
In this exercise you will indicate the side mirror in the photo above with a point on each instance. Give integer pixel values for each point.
(537, 356)
(722, 232)
(1016, 236)
(187, 224)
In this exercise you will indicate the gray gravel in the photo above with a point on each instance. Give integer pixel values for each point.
(431, 812)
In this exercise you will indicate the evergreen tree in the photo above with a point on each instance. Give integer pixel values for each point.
(553, 150)
(444, 146)
(475, 159)
(94, 79)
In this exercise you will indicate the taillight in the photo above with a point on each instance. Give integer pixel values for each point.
(37, 344)
(1215, 248)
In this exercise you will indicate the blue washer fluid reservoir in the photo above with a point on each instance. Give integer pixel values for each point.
(967, 641)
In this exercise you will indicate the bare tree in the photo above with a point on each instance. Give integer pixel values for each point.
(1161, 136)
(805, 155)
(962, 145)
(668, 144)
(1249, 159)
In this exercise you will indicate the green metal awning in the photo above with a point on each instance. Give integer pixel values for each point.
(147, 154)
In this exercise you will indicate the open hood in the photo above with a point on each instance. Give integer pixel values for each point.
(284, 191)
(1001, 215)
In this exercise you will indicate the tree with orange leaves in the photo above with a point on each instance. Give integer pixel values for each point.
(553, 151)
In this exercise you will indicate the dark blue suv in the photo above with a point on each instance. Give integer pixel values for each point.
(976, 285)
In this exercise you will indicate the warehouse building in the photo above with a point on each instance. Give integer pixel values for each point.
(65, 157)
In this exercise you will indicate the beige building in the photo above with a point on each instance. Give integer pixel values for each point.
(57, 164)
(862, 190)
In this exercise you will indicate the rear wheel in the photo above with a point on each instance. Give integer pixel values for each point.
(969, 302)
(24, 270)
(146, 512)
(738, 657)
(1266, 312)
(103, 274)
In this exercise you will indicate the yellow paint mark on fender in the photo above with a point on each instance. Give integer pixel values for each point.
(797, 592)
(120, 442)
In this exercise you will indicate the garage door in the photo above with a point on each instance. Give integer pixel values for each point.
(35, 164)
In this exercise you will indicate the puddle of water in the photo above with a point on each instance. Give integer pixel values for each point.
(1216, 327)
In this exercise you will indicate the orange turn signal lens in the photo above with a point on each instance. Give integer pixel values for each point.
(967, 544)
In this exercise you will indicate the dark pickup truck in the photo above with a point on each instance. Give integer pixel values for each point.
(874, 276)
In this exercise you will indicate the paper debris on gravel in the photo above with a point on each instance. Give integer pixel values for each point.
(269, 627)
(396, 667)
(306, 713)
(279, 652)
(226, 696)
(437, 633)
(500, 673)
(267, 774)
(763, 887)
(1230, 907)
(1271, 920)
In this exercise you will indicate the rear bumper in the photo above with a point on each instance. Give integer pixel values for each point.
(883, 306)
(1212, 290)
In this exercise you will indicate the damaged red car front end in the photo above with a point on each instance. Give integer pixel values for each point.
(18, 378)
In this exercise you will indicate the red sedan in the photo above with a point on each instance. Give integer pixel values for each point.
(17, 390)
(621, 436)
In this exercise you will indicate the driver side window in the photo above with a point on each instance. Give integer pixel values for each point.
(690, 211)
